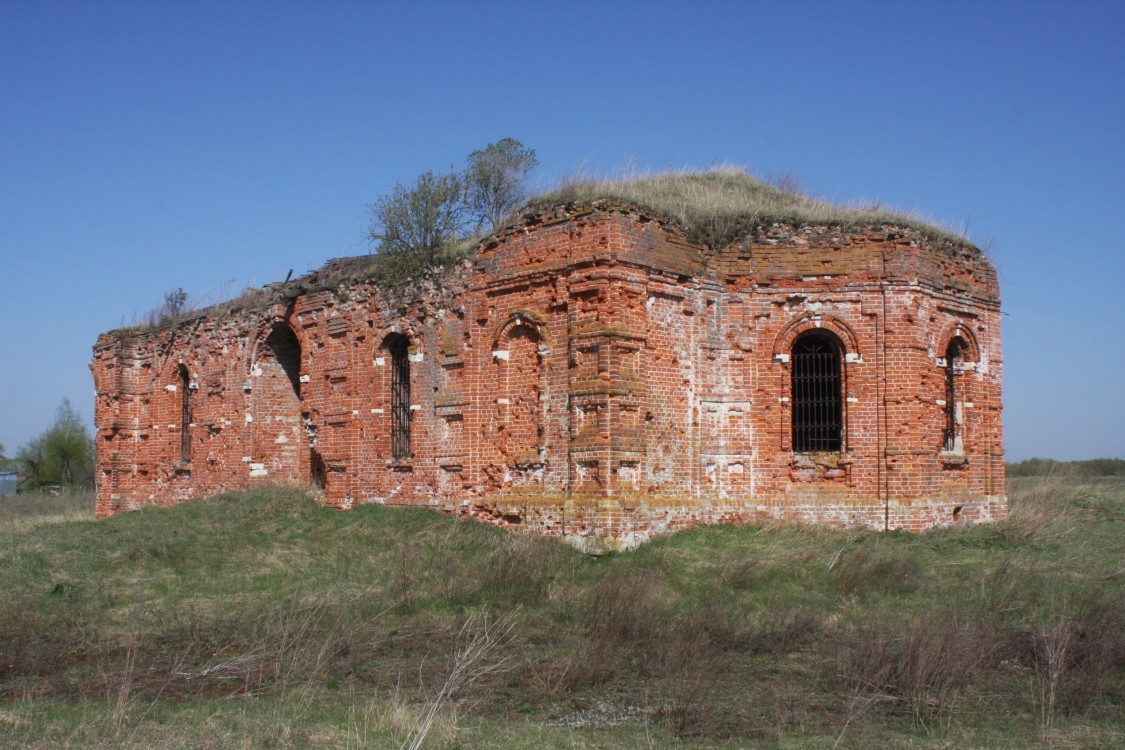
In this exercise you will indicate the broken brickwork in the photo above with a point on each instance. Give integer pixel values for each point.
(592, 375)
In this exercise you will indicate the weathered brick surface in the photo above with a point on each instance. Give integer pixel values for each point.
(592, 375)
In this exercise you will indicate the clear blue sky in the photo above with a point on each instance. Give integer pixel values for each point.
(211, 145)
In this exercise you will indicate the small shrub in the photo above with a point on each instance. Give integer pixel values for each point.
(1075, 653)
(921, 666)
(622, 608)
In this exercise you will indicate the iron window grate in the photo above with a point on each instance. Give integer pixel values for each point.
(817, 406)
(952, 355)
(400, 399)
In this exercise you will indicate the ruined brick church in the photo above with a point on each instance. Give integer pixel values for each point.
(590, 372)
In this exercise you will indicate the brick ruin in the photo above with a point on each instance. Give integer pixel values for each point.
(589, 374)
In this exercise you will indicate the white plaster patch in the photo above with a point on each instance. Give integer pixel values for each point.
(304, 378)
(376, 411)
(502, 401)
(282, 438)
(249, 417)
(781, 358)
(170, 388)
(415, 407)
(380, 362)
(500, 354)
(415, 357)
(852, 357)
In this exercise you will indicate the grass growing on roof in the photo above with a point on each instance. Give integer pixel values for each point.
(719, 206)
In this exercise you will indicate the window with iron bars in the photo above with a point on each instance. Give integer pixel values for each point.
(185, 415)
(817, 404)
(952, 433)
(399, 349)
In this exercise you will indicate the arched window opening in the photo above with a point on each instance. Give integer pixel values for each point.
(520, 386)
(287, 351)
(398, 347)
(817, 403)
(954, 354)
(185, 414)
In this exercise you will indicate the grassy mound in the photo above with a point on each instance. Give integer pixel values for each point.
(263, 620)
(718, 207)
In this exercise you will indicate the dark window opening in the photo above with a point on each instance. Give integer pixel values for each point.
(287, 351)
(399, 349)
(185, 415)
(951, 440)
(817, 405)
(318, 470)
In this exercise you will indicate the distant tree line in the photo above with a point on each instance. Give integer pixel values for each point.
(1094, 467)
(61, 457)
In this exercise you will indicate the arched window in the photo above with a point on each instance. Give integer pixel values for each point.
(520, 386)
(951, 441)
(398, 347)
(817, 404)
(286, 350)
(185, 415)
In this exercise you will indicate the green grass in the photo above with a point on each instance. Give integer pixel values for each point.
(261, 620)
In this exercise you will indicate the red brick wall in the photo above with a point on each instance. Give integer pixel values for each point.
(593, 375)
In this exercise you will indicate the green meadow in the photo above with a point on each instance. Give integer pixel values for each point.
(261, 620)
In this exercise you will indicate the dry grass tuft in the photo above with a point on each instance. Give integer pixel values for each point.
(719, 206)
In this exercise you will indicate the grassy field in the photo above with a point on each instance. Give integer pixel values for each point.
(261, 620)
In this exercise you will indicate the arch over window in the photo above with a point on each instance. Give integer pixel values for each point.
(185, 414)
(954, 366)
(818, 414)
(398, 347)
